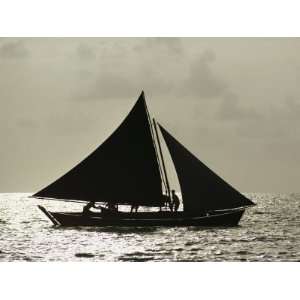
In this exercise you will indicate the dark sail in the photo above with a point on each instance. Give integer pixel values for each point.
(124, 169)
(202, 189)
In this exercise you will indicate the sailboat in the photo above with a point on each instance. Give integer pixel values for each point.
(129, 169)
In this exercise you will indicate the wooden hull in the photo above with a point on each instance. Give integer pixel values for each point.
(225, 218)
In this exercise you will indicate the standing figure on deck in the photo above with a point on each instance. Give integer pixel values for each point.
(165, 201)
(176, 201)
(112, 206)
(134, 207)
(169, 202)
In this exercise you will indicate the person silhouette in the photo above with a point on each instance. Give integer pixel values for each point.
(134, 207)
(86, 208)
(175, 201)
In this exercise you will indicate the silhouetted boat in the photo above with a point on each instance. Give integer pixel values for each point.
(129, 169)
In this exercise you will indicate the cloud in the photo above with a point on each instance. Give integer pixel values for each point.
(265, 130)
(84, 52)
(160, 45)
(202, 81)
(292, 108)
(120, 69)
(121, 85)
(12, 50)
(26, 123)
(279, 124)
(56, 123)
(107, 85)
(231, 109)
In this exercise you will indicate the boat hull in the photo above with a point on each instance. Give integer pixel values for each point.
(229, 218)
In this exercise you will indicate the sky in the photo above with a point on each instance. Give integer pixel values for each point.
(233, 102)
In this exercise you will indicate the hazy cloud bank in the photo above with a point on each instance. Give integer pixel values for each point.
(226, 99)
(14, 50)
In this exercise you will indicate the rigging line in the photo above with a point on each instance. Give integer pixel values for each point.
(156, 152)
(162, 159)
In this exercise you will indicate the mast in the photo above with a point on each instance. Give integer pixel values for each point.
(162, 159)
(153, 138)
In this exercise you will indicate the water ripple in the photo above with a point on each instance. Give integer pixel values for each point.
(268, 232)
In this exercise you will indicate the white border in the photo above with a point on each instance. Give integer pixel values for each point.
(145, 281)
(149, 18)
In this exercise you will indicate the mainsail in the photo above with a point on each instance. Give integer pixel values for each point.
(123, 170)
(202, 189)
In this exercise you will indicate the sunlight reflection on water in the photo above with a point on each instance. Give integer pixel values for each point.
(268, 232)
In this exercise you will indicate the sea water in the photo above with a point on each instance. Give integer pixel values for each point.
(269, 231)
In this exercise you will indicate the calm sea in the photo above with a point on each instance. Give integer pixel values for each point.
(268, 232)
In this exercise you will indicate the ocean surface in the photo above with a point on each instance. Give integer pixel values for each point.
(269, 231)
